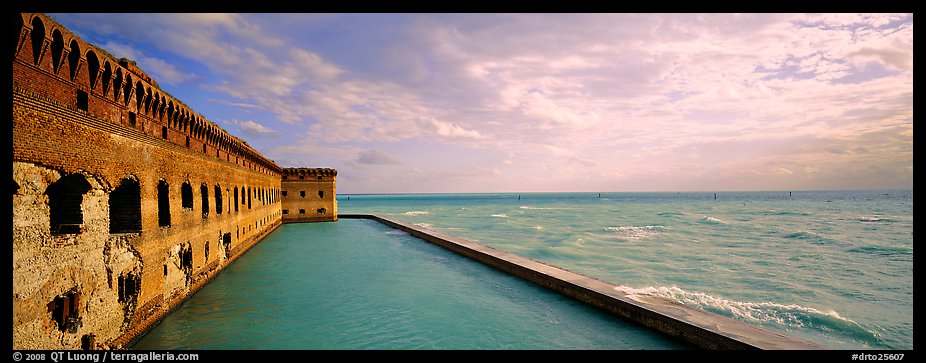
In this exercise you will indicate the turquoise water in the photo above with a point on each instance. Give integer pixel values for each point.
(833, 267)
(357, 284)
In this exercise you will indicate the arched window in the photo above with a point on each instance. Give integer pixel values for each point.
(64, 199)
(148, 102)
(218, 200)
(107, 75)
(204, 191)
(125, 207)
(186, 196)
(128, 89)
(139, 96)
(249, 198)
(117, 84)
(38, 38)
(236, 199)
(163, 204)
(93, 67)
(74, 59)
(57, 47)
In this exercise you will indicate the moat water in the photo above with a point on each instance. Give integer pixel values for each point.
(833, 267)
(358, 284)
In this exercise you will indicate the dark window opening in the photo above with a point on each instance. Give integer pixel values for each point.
(284, 177)
(186, 196)
(139, 96)
(204, 148)
(117, 84)
(38, 39)
(319, 177)
(57, 47)
(83, 101)
(164, 132)
(284, 193)
(302, 211)
(125, 207)
(132, 119)
(65, 311)
(93, 67)
(226, 244)
(302, 177)
(64, 200)
(88, 342)
(127, 90)
(286, 211)
(187, 141)
(165, 269)
(321, 193)
(129, 287)
(107, 75)
(235, 201)
(218, 200)
(249, 198)
(321, 210)
(163, 204)
(206, 252)
(204, 192)
(302, 193)
(186, 258)
(74, 59)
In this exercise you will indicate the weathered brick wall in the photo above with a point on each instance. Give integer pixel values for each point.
(309, 195)
(56, 136)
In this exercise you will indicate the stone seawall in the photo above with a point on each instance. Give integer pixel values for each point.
(700, 328)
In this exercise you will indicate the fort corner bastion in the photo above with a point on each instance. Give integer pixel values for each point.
(125, 201)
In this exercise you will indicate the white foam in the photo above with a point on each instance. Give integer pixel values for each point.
(712, 220)
(538, 227)
(500, 215)
(424, 225)
(396, 232)
(543, 208)
(790, 315)
(633, 232)
(415, 213)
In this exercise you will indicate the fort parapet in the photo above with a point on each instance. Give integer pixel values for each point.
(308, 195)
(125, 201)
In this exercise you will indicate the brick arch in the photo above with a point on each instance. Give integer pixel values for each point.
(139, 96)
(93, 67)
(117, 83)
(57, 49)
(18, 26)
(74, 59)
(170, 111)
(106, 77)
(127, 92)
(155, 103)
(148, 100)
(37, 36)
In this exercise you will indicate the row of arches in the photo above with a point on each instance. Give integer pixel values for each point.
(113, 81)
(65, 197)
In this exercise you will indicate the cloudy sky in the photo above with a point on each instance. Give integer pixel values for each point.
(545, 102)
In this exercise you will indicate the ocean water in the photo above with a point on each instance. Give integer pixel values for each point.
(833, 267)
(358, 284)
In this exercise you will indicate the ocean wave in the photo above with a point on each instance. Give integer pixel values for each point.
(500, 215)
(396, 232)
(883, 250)
(712, 220)
(424, 225)
(538, 227)
(806, 236)
(415, 213)
(632, 232)
(545, 208)
(874, 219)
(759, 312)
